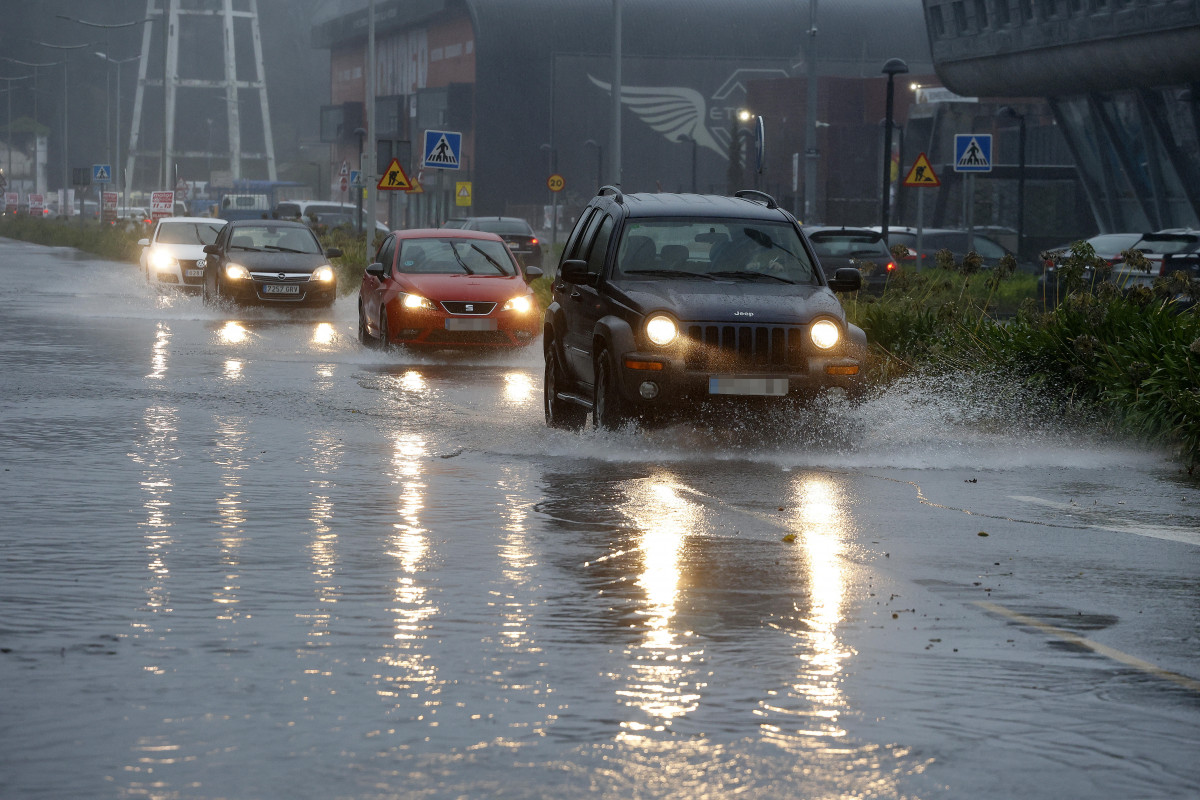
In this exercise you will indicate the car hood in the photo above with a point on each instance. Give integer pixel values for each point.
(743, 301)
(277, 262)
(463, 287)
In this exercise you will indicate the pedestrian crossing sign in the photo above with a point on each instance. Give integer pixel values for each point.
(101, 173)
(972, 152)
(393, 178)
(922, 174)
(443, 149)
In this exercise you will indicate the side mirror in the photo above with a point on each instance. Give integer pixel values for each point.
(143, 242)
(846, 279)
(377, 269)
(533, 273)
(212, 249)
(574, 270)
(333, 252)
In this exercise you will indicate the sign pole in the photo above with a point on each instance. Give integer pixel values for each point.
(920, 227)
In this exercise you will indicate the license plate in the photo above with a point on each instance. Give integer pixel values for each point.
(194, 273)
(758, 387)
(457, 324)
(277, 288)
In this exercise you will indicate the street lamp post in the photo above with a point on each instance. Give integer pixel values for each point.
(1010, 112)
(117, 176)
(892, 68)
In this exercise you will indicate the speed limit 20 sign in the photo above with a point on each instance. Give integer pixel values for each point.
(555, 183)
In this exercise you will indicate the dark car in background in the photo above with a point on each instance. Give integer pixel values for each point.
(861, 248)
(958, 242)
(515, 231)
(1166, 251)
(668, 305)
(269, 262)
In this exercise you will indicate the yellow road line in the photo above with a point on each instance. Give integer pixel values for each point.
(1104, 650)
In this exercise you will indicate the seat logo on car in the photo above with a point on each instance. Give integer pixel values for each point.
(470, 307)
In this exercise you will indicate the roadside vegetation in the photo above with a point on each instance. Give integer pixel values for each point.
(1126, 357)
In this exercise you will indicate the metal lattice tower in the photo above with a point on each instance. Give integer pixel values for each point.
(178, 87)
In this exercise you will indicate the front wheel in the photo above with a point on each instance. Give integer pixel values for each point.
(609, 409)
(559, 413)
(364, 336)
(385, 335)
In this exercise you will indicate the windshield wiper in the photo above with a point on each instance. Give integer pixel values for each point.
(750, 275)
(279, 249)
(245, 247)
(461, 263)
(668, 273)
(499, 267)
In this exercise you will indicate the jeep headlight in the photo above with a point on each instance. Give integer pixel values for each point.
(825, 334)
(661, 329)
(324, 274)
(520, 304)
(236, 272)
(161, 259)
(416, 301)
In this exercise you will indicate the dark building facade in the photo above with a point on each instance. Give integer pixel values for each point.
(1122, 81)
(529, 83)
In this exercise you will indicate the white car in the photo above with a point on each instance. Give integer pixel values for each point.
(174, 254)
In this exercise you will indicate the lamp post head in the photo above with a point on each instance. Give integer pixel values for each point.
(894, 66)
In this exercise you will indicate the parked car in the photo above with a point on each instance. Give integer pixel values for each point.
(516, 232)
(935, 239)
(326, 213)
(174, 256)
(439, 288)
(275, 262)
(669, 304)
(861, 248)
(1165, 251)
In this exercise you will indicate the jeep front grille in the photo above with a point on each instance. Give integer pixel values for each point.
(745, 348)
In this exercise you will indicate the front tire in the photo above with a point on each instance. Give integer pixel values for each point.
(364, 336)
(559, 413)
(609, 409)
(385, 335)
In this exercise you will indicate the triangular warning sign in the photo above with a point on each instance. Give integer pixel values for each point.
(464, 190)
(922, 173)
(415, 185)
(394, 178)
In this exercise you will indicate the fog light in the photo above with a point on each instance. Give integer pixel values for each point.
(648, 390)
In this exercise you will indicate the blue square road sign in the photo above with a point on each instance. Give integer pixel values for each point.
(972, 152)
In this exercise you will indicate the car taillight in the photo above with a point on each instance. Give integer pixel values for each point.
(891, 265)
(533, 241)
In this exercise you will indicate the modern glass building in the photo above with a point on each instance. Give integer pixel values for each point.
(1122, 79)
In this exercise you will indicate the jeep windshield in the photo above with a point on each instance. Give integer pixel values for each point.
(714, 249)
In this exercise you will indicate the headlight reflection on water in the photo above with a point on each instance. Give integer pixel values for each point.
(665, 687)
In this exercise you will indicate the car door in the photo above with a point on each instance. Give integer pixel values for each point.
(373, 287)
(587, 302)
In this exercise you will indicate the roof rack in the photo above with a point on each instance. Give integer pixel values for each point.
(754, 194)
(614, 190)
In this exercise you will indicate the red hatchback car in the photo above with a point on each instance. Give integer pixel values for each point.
(447, 289)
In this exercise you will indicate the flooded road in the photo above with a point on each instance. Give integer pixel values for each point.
(244, 557)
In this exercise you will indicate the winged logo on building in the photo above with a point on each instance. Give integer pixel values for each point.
(674, 111)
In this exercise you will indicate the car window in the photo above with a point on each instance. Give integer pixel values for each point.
(658, 249)
(840, 243)
(455, 257)
(275, 238)
(387, 253)
(288, 210)
(988, 248)
(571, 250)
(503, 226)
(599, 246)
(187, 232)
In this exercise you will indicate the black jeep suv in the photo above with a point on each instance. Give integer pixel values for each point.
(667, 303)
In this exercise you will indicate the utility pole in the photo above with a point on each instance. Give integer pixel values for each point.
(372, 145)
